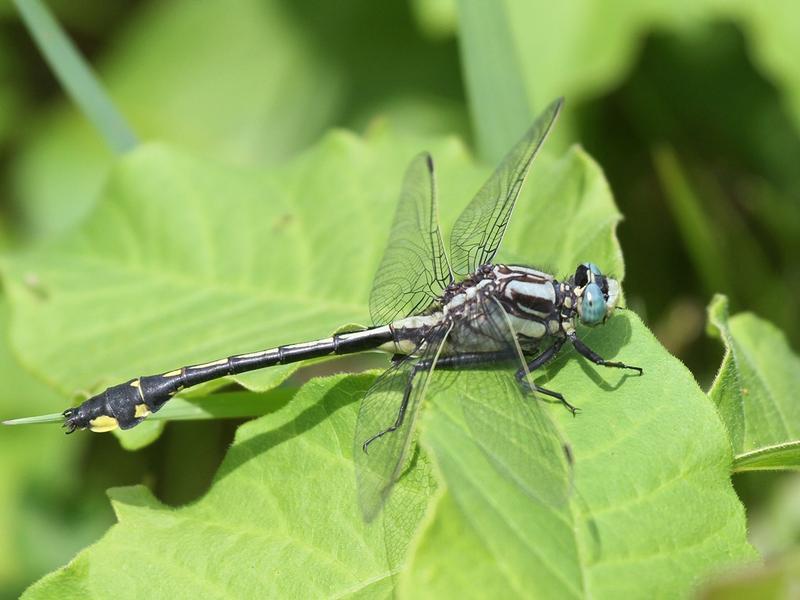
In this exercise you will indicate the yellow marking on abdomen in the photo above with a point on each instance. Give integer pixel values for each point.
(103, 423)
(174, 373)
(253, 354)
(142, 410)
(221, 361)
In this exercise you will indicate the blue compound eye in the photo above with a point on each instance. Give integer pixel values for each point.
(593, 305)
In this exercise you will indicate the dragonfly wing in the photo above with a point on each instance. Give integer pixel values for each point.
(477, 233)
(414, 269)
(381, 464)
(512, 427)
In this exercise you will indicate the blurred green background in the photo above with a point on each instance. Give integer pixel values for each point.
(693, 111)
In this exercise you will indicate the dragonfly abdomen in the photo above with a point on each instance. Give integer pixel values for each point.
(126, 404)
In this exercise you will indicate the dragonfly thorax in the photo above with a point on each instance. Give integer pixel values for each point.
(534, 302)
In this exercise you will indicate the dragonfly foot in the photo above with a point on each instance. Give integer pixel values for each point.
(620, 365)
(532, 388)
(377, 436)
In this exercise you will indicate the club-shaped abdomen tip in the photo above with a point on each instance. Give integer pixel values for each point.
(121, 406)
(94, 414)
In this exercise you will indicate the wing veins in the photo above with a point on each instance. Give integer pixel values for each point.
(479, 230)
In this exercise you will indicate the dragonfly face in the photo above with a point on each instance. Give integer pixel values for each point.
(539, 305)
(596, 295)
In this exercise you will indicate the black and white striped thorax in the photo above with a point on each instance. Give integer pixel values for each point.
(536, 305)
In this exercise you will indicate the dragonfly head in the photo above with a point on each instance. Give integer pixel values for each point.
(597, 294)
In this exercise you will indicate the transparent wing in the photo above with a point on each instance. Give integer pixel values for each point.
(414, 269)
(378, 468)
(512, 427)
(479, 230)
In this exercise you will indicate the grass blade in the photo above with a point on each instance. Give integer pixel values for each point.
(51, 418)
(495, 86)
(76, 75)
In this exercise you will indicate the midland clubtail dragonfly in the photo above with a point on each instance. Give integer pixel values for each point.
(430, 312)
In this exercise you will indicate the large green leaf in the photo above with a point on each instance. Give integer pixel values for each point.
(281, 520)
(652, 510)
(756, 388)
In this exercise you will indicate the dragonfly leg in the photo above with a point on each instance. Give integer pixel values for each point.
(543, 358)
(538, 361)
(458, 361)
(587, 352)
(471, 359)
(400, 413)
(532, 387)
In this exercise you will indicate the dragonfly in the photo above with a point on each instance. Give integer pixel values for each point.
(431, 310)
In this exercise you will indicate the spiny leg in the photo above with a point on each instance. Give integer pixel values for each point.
(445, 362)
(587, 352)
(544, 357)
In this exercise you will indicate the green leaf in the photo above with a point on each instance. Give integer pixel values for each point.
(186, 261)
(281, 520)
(76, 75)
(652, 509)
(779, 456)
(756, 386)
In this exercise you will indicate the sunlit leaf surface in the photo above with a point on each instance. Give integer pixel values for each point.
(280, 521)
(756, 387)
(646, 450)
